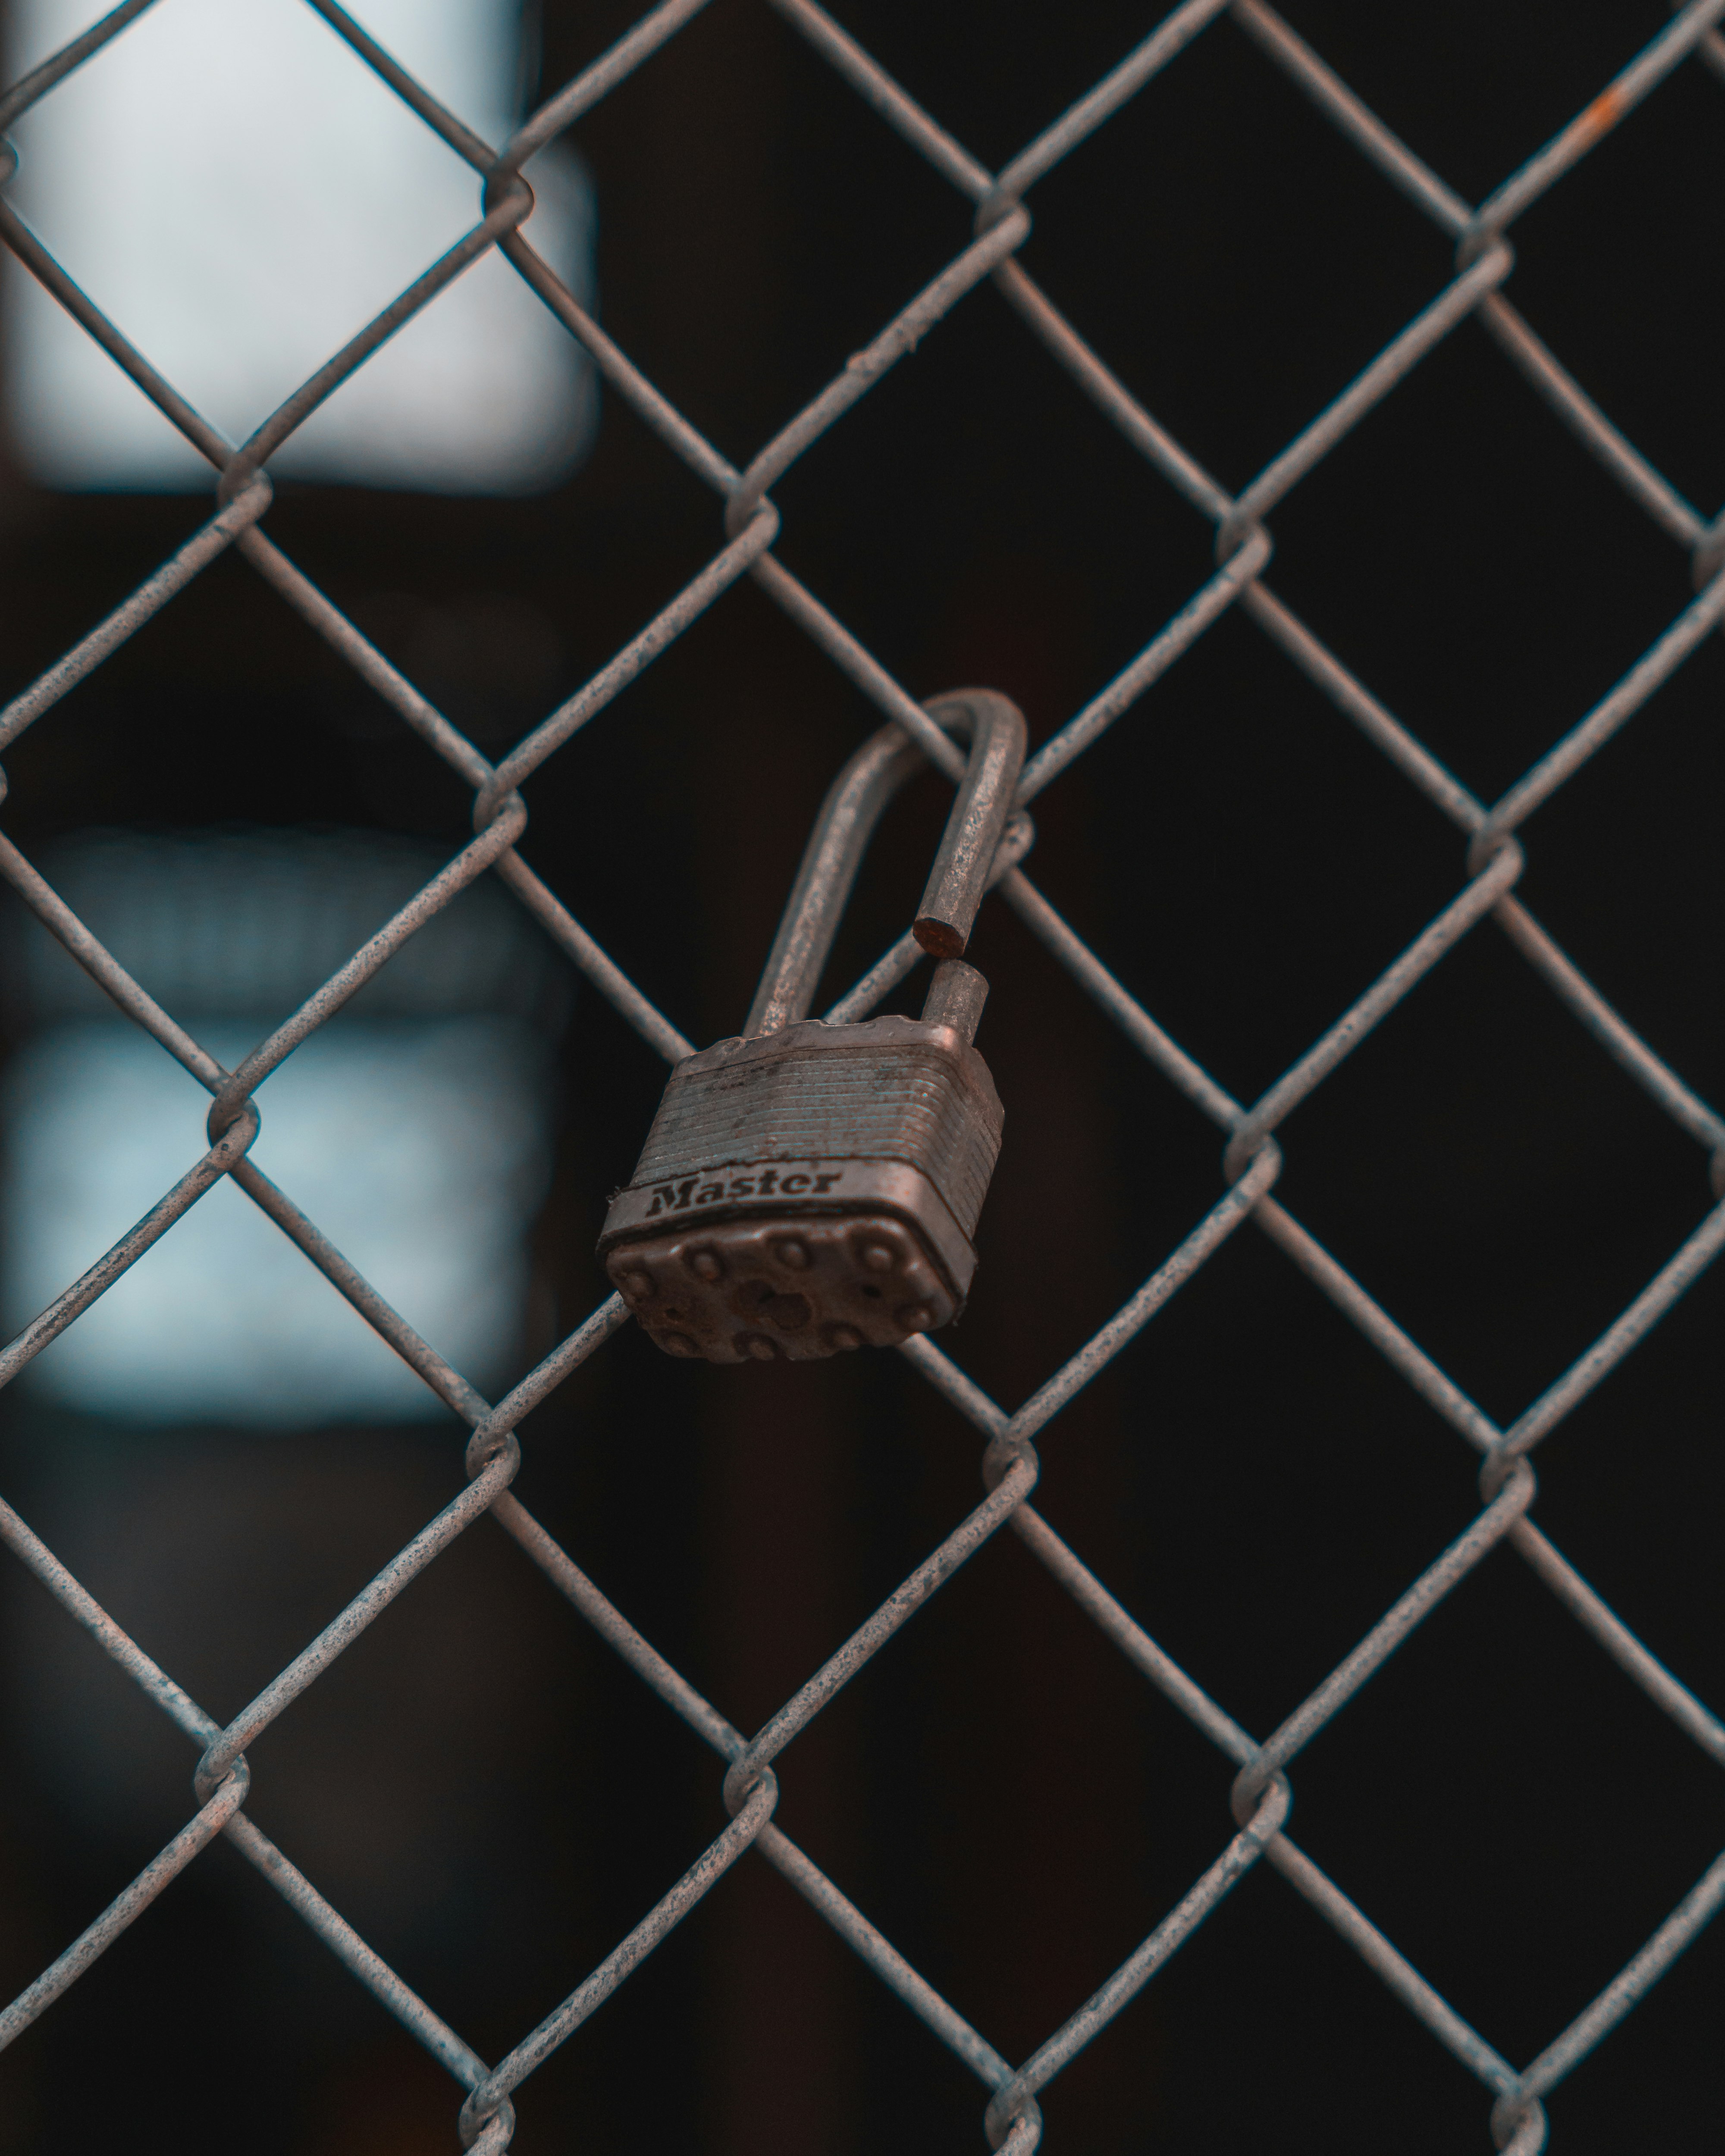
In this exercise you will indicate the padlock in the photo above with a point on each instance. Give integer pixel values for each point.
(805, 1188)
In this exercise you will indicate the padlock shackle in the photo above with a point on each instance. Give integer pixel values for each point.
(854, 804)
(958, 882)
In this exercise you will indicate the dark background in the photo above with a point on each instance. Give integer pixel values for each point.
(999, 1790)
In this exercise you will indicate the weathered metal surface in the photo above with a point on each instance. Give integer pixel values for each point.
(749, 1291)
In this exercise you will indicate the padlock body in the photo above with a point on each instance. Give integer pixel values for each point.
(809, 1191)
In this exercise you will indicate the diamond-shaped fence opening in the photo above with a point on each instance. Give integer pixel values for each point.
(956, 1832)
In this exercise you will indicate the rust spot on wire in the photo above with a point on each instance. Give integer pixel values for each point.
(1603, 114)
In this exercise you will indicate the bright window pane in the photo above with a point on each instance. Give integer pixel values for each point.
(417, 1145)
(239, 192)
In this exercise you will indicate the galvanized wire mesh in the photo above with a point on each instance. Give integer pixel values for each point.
(1484, 262)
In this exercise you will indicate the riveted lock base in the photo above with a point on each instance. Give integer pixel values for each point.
(797, 1289)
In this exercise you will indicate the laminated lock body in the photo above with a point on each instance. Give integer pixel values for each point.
(809, 1190)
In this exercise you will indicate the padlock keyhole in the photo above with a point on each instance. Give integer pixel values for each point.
(789, 1311)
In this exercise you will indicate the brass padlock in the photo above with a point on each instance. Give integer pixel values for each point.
(806, 1188)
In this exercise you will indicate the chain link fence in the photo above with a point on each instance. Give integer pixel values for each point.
(1492, 863)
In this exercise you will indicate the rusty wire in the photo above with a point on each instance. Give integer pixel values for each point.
(1484, 261)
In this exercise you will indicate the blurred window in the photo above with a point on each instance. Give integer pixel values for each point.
(332, 196)
(412, 1129)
